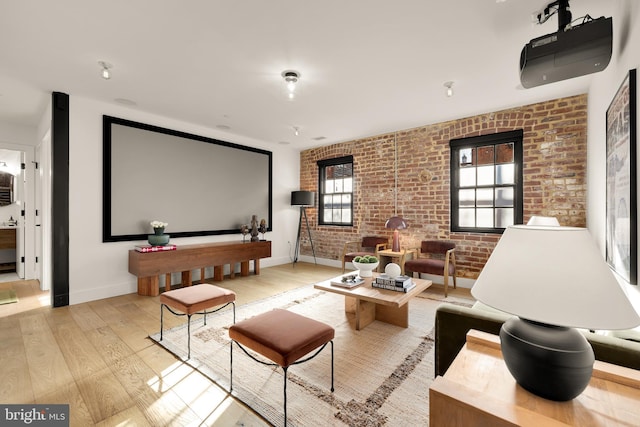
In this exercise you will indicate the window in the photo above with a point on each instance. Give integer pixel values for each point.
(486, 182)
(336, 191)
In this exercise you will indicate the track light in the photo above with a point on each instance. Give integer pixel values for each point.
(291, 80)
(106, 74)
(449, 86)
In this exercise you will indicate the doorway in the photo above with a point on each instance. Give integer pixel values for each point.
(17, 201)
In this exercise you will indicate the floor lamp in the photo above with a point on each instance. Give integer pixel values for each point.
(303, 199)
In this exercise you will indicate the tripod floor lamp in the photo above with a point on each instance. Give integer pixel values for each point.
(303, 199)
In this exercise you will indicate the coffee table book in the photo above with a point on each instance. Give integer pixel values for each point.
(151, 248)
(394, 288)
(400, 281)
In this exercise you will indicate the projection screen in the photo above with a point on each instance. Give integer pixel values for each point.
(198, 185)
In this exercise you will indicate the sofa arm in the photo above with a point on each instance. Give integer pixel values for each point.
(614, 350)
(452, 324)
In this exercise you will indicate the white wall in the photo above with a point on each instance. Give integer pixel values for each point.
(99, 270)
(626, 56)
(16, 134)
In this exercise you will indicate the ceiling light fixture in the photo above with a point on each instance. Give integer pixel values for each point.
(106, 74)
(449, 86)
(291, 80)
(296, 130)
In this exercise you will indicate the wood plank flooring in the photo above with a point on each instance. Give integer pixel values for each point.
(97, 356)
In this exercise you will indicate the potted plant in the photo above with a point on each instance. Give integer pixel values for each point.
(365, 265)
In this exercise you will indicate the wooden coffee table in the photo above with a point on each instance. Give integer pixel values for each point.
(369, 303)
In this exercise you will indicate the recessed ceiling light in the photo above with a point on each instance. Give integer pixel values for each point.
(283, 142)
(319, 138)
(223, 127)
(125, 101)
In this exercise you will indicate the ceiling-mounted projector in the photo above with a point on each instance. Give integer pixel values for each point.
(569, 52)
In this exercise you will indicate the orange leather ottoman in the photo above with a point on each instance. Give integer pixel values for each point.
(283, 337)
(191, 300)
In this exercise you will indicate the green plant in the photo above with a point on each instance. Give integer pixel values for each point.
(366, 259)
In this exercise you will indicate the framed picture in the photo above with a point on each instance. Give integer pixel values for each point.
(621, 181)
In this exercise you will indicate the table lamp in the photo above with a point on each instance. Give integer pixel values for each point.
(554, 280)
(396, 223)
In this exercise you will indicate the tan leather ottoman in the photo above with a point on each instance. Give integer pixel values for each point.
(191, 300)
(283, 337)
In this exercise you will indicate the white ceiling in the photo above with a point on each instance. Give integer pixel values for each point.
(367, 66)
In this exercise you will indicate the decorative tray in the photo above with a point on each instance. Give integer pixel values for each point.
(350, 281)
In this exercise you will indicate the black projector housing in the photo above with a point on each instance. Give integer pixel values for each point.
(584, 49)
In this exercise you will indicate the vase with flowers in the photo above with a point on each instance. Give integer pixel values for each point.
(158, 238)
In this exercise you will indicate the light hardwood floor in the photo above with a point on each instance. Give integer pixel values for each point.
(97, 357)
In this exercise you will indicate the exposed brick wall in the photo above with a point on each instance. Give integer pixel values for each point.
(555, 144)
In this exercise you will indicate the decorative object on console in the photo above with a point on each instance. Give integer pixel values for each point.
(244, 230)
(263, 227)
(254, 228)
(158, 227)
(158, 238)
(554, 279)
(396, 223)
(150, 248)
(621, 203)
(303, 199)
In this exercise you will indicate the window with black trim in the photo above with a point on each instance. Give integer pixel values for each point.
(335, 183)
(486, 182)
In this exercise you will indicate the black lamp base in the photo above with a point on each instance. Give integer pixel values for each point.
(550, 361)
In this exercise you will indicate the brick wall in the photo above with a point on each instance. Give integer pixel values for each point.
(555, 143)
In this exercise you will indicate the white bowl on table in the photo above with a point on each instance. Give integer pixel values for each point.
(365, 269)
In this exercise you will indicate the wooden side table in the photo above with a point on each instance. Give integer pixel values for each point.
(478, 390)
(387, 256)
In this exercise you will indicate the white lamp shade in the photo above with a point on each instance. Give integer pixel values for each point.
(554, 275)
(543, 220)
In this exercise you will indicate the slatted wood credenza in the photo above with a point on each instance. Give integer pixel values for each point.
(148, 267)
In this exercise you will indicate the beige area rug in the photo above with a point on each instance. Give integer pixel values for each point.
(8, 296)
(382, 373)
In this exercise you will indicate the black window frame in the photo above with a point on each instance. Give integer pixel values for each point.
(455, 145)
(322, 164)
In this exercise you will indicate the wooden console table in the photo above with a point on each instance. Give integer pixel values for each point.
(147, 267)
(478, 390)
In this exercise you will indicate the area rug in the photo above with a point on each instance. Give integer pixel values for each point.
(382, 373)
(8, 296)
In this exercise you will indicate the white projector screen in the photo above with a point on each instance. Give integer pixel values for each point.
(198, 185)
